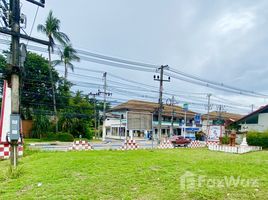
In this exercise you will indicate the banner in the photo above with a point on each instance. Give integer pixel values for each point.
(215, 132)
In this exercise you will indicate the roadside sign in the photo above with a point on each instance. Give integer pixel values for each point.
(139, 121)
(185, 107)
(197, 119)
(192, 129)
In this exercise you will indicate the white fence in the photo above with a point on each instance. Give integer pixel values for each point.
(235, 149)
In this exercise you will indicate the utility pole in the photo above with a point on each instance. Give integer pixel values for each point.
(185, 109)
(105, 94)
(15, 70)
(99, 118)
(12, 19)
(252, 107)
(95, 111)
(160, 101)
(220, 109)
(104, 89)
(172, 116)
(208, 109)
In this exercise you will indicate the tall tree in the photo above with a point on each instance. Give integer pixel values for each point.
(51, 29)
(68, 55)
(36, 93)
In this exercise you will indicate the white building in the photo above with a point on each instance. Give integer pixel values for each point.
(255, 121)
(115, 125)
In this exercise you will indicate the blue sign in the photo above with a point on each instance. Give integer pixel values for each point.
(192, 129)
(197, 119)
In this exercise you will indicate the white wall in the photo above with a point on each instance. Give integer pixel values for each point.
(263, 120)
(261, 126)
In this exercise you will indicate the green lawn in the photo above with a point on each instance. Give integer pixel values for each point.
(139, 174)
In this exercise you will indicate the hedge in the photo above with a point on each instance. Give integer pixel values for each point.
(62, 137)
(258, 139)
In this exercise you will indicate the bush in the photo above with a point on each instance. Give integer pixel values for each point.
(62, 137)
(41, 126)
(89, 134)
(65, 137)
(225, 139)
(200, 136)
(258, 139)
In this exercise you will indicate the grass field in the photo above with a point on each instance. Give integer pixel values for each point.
(140, 174)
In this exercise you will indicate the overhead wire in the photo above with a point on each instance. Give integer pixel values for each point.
(121, 66)
(112, 62)
(214, 83)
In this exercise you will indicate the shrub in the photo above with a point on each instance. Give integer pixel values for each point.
(200, 136)
(62, 137)
(89, 134)
(225, 139)
(65, 137)
(258, 139)
(41, 125)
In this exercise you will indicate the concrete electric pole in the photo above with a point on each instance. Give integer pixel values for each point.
(208, 109)
(172, 116)
(95, 111)
(160, 101)
(15, 71)
(221, 109)
(105, 94)
(12, 18)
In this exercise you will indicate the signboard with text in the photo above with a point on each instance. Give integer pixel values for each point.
(197, 119)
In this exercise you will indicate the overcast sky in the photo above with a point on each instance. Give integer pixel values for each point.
(223, 40)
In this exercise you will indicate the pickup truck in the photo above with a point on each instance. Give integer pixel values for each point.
(178, 140)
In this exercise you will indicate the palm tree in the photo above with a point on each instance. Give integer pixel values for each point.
(51, 29)
(67, 56)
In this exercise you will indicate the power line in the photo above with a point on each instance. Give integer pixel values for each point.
(115, 63)
(36, 12)
(124, 91)
(209, 86)
(215, 83)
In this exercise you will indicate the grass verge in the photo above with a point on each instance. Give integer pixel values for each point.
(142, 174)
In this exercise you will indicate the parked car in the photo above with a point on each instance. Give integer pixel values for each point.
(178, 140)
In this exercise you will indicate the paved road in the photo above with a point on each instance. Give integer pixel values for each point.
(109, 144)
